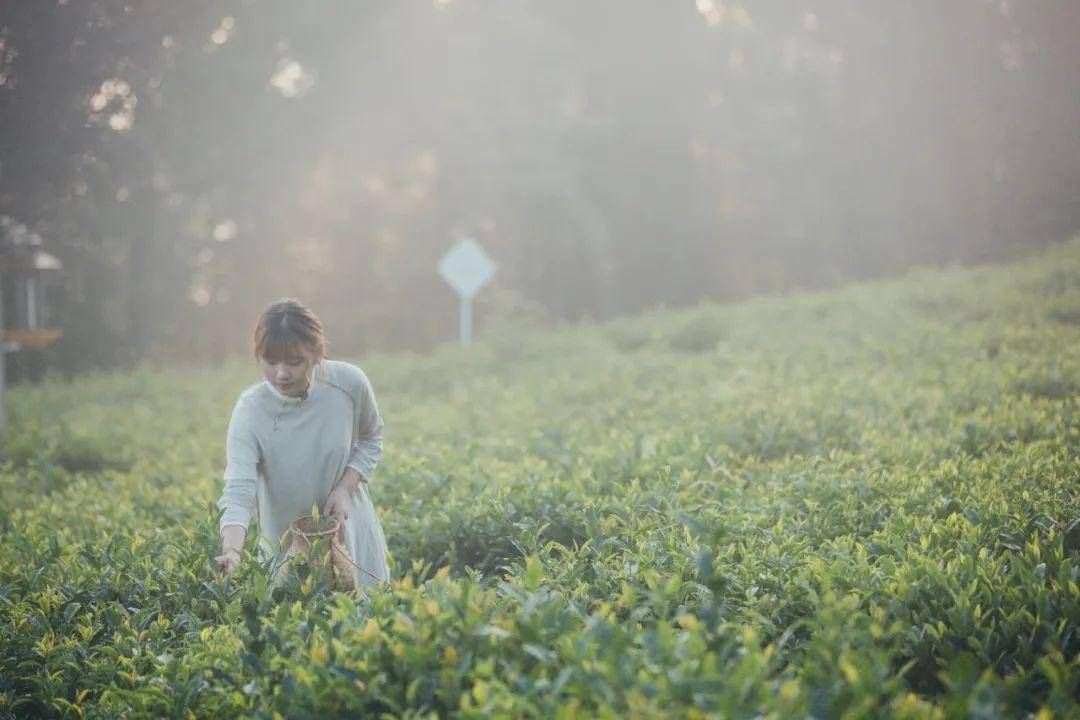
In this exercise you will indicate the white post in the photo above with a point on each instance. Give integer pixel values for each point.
(466, 320)
(466, 268)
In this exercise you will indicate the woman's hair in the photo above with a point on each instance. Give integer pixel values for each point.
(286, 325)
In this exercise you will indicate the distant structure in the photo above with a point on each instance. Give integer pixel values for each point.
(466, 268)
(26, 271)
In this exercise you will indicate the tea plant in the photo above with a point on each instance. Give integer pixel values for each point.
(856, 503)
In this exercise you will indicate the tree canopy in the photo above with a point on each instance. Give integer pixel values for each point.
(190, 162)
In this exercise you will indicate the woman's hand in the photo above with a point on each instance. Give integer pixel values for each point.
(232, 539)
(337, 503)
(229, 561)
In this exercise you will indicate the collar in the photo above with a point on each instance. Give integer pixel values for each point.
(285, 399)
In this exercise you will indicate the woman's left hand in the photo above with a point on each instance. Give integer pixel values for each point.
(337, 503)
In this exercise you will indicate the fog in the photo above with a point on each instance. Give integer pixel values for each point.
(188, 163)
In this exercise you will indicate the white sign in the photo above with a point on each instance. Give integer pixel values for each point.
(466, 268)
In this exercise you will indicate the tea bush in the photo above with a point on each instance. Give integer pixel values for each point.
(855, 503)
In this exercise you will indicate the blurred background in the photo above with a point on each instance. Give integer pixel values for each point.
(168, 168)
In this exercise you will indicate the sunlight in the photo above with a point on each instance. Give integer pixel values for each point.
(291, 79)
(221, 33)
(713, 11)
(225, 230)
(116, 95)
(200, 295)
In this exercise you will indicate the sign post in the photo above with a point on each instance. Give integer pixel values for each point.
(465, 320)
(466, 268)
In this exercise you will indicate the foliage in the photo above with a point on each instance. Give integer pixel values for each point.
(164, 149)
(860, 503)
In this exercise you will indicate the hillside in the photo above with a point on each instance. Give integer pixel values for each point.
(847, 503)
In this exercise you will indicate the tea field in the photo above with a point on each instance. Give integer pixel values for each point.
(856, 503)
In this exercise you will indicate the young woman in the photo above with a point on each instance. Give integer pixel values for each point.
(309, 433)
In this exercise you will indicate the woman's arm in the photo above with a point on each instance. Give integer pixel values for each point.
(238, 502)
(232, 542)
(368, 443)
(238, 497)
(366, 449)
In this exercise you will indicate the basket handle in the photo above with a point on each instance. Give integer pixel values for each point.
(351, 562)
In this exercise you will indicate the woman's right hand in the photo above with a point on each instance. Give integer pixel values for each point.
(229, 561)
(232, 539)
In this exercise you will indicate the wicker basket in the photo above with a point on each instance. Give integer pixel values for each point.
(336, 563)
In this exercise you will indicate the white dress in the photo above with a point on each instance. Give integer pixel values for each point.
(284, 454)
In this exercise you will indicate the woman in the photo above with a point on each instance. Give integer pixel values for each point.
(308, 434)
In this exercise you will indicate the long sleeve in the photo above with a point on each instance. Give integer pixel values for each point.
(367, 442)
(241, 471)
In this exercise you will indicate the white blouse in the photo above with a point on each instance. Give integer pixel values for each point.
(285, 454)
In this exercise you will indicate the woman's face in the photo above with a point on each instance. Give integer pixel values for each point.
(290, 373)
